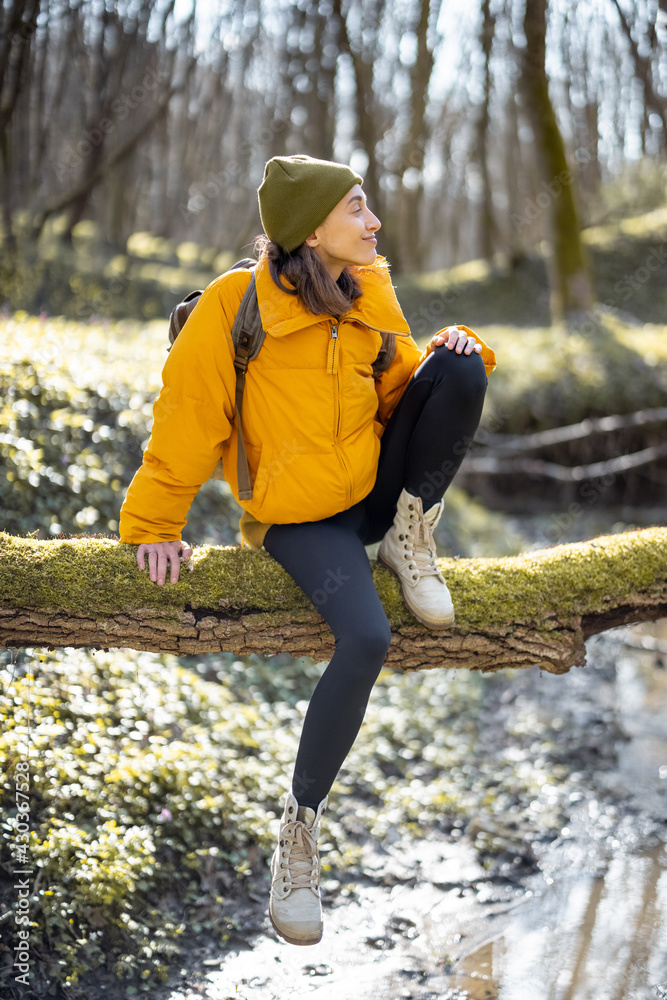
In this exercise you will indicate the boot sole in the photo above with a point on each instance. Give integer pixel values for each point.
(413, 611)
(292, 940)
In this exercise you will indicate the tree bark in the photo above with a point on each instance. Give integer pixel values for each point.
(531, 610)
(571, 290)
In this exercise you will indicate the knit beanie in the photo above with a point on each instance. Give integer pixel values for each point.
(297, 194)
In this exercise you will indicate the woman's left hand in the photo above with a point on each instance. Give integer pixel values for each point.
(457, 340)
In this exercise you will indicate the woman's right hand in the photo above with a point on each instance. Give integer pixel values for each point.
(159, 555)
(456, 339)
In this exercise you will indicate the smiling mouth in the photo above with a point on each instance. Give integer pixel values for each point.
(369, 239)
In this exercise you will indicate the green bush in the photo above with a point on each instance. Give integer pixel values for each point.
(87, 278)
(639, 187)
(75, 415)
(143, 776)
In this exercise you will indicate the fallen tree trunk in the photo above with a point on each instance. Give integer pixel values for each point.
(517, 466)
(519, 444)
(536, 609)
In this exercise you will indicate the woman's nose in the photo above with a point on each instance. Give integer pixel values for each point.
(373, 224)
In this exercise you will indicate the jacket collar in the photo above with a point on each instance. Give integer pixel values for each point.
(377, 307)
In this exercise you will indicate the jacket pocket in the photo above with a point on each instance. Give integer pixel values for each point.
(295, 487)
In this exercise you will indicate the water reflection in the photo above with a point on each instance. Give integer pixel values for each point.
(589, 938)
(598, 936)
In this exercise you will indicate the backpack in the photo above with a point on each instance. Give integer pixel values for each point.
(248, 337)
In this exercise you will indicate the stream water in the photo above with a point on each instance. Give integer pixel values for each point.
(588, 922)
(598, 926)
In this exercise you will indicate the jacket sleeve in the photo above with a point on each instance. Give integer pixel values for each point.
(192, 417)
(391, 385)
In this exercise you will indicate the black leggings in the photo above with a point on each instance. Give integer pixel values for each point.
(422, 448)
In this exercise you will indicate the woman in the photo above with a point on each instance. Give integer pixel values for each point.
(339, 460)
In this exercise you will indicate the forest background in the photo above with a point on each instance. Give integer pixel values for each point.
(515, 153)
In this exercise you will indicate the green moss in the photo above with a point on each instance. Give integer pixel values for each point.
(579, 578)
(101, 576)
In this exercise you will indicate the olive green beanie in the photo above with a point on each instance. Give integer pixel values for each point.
(297, 194)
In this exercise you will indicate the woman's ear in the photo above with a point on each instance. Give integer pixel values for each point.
(312, 240)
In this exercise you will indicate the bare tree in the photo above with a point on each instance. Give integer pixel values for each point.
(570, 283)
(654, 101)
(362, 53)
(18, 25)
(487, 228)
(119, 85)
(411, 247)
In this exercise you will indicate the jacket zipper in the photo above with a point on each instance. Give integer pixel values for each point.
(332, 355)
(332, 368)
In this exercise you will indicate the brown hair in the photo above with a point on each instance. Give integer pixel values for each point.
(313, 284)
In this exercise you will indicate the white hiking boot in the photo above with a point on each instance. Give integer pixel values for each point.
(295, 908)
(408, 548)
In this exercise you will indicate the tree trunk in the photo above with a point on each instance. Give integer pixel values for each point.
(531, 610)
(571, 289)
(410, 244)
(18, 26)
(512, 171)
(365, 100)
(487, 234)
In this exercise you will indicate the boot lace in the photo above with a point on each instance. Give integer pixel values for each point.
(420, 546)
(298, 855)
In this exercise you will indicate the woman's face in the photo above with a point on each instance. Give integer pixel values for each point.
(347, 235)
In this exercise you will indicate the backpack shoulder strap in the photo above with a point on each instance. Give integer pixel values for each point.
(385, 354)
(248, 337)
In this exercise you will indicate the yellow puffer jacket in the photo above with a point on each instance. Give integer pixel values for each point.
(313, 415)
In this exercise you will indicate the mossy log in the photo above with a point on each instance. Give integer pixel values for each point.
(536, 609)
